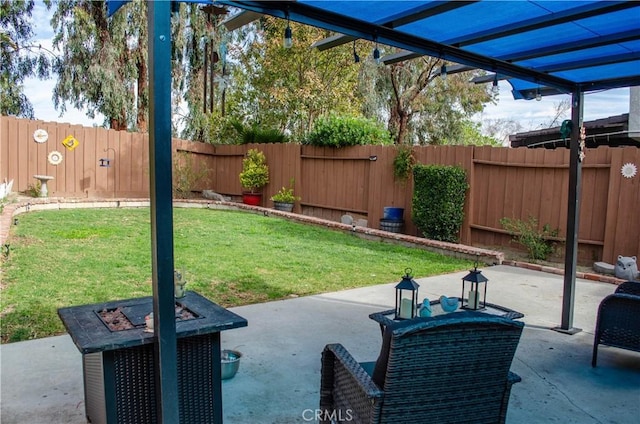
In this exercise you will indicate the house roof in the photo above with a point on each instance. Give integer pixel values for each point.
(612, 131)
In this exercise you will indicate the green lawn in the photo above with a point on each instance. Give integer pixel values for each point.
(82, 256)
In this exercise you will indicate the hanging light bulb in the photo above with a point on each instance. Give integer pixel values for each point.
(376, 55)
(443, 72)
(495, 89)
(288, 38)
(538, 94)
(356, 58)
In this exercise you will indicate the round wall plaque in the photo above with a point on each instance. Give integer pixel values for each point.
(40, 136)
(55, 157)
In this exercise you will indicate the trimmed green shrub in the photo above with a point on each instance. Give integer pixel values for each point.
(344, 131)
(255, 171)
(438, 201)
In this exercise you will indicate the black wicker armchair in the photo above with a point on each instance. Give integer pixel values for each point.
(451, 368)
(629, 287)
(618, 322)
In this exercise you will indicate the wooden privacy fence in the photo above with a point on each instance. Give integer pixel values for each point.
(515, 183)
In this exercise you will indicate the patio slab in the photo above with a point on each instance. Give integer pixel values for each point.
(279, 376)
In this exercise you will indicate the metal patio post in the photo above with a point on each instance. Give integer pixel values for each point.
(160, 167)
(573, 215)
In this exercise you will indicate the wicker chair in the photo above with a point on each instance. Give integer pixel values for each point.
(451, 368)
(629, 287)
(617, 324)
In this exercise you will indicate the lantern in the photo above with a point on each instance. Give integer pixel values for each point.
(477, 293)
(406, 297)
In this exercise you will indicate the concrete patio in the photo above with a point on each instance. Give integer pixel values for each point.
(279, 376)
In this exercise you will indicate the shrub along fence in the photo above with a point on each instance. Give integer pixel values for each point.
(514, 183)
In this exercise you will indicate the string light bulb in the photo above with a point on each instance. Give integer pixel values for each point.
(443, 72)
(495, 89)
(538, 94)
(376, 55)
(288, 36)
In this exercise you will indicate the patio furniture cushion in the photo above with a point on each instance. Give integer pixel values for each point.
(447, 369)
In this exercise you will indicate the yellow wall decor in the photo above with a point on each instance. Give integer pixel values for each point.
(70, 142)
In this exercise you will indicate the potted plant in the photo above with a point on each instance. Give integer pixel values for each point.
(254, 176)
(284, 200)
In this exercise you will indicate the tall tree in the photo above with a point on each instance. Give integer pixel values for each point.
(288, 89)
(103, 67)
(20, 57)
(200, 45)
(420, 105)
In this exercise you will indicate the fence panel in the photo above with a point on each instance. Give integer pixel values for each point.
(515, 183)
(622, 235)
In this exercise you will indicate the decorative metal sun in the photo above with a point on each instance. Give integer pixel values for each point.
(629, 170)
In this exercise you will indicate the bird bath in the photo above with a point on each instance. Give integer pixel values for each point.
(43, 184)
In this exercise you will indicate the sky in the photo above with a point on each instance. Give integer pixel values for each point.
(531, 114)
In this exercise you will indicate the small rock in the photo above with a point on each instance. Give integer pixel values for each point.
(212, 195)
(603, 268)
(347, 219)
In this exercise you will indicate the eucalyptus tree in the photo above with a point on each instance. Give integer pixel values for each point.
(21, 58)
(422, 107)
(200, 46)
(103, 63)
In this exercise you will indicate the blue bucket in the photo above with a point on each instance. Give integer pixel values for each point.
(393, 213)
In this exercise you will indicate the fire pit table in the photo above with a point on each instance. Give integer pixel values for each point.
(118, 358)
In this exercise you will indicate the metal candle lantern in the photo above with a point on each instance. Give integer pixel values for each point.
(477, 294)
(406, 297)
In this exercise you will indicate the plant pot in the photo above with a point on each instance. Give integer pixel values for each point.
(392, 213)
(283, 206)
(253, 199)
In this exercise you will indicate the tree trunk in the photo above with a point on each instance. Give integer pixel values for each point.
(398, 122)
(143, 104)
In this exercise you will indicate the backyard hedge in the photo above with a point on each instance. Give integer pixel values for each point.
(344, 131)
(438, 201)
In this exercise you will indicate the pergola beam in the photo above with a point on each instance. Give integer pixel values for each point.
(333, 41)
(241, 19)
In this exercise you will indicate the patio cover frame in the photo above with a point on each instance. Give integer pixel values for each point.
(558, 71)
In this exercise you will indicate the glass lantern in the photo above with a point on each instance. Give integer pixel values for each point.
(406, 297)
(474, 285)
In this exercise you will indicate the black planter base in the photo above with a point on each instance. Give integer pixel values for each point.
(392, 225)
(283, 206)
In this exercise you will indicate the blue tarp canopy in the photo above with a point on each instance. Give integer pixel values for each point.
(551, 47)
(562, 46)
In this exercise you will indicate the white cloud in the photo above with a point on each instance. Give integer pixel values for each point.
(531, 114)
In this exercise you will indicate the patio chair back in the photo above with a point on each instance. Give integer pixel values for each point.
(617, 323)
(451, 368)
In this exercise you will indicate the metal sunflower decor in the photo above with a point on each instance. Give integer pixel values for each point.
(629, 170)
